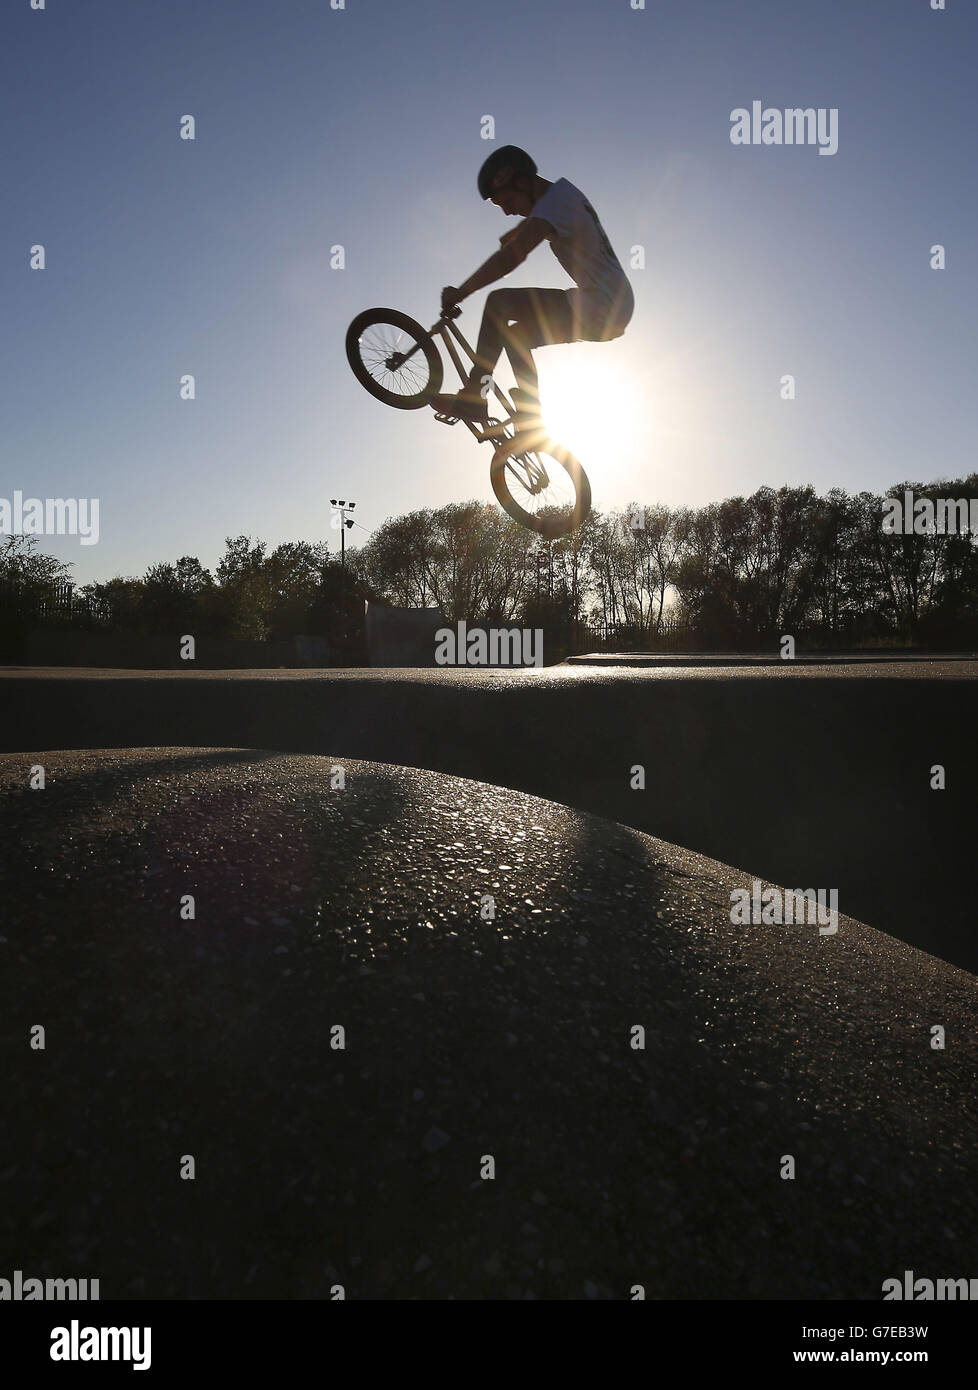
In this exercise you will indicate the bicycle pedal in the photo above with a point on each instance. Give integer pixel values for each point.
(446, 419)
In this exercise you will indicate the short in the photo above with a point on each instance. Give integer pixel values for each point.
(535, 317)
(595, 318)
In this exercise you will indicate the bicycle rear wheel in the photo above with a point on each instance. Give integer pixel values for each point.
(544, 488)
(394, 358)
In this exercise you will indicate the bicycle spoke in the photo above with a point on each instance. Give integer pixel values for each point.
(536, 487)
(377, 346)
(394, 358)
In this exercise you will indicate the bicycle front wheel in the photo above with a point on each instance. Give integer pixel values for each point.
(394, 358)
(544, 488)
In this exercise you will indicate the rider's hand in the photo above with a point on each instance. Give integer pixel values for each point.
(449, 298)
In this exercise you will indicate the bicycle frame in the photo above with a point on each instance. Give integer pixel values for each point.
(497, 431)
(445, 329)
(525, 456)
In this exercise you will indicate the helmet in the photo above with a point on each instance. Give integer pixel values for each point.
(508, 156)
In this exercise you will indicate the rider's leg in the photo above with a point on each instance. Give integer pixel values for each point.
(535, 317)
(516, 319)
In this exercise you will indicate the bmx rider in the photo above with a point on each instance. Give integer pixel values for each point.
(597, 309)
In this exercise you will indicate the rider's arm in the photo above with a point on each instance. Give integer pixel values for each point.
(528, 235)
(523, 239)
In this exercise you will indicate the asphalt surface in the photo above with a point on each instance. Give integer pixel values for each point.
(808, 775)
(464, 1037)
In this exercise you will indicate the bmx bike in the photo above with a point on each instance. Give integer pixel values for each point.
(536, 481)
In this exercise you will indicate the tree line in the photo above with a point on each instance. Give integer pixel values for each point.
(738, 572)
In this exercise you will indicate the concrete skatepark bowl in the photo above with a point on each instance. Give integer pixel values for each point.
(427, 1035)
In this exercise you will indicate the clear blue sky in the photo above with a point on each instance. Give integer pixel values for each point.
(361, 127)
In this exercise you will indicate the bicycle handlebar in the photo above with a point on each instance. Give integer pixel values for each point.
(451, 313)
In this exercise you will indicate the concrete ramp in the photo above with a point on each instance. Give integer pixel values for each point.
(427, 1038)
(812, 777)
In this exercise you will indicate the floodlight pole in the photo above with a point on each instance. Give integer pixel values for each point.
(342, 507)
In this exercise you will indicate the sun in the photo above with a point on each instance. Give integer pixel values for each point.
(593, 407)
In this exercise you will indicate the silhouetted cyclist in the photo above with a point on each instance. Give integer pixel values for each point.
(518, 319)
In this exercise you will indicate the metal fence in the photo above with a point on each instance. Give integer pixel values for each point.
(58, 605)
(669, 635)
(672, 635)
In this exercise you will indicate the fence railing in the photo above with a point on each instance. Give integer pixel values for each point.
(59, 605)
(673, 635)
(667, 636)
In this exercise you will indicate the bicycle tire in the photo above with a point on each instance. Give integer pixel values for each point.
(502, 476)
(402, 324)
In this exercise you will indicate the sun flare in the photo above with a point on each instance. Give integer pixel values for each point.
(594, 409)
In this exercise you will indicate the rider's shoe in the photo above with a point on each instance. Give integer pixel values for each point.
(464, 406)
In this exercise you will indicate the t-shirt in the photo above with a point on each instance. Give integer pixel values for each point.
(581, 244)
